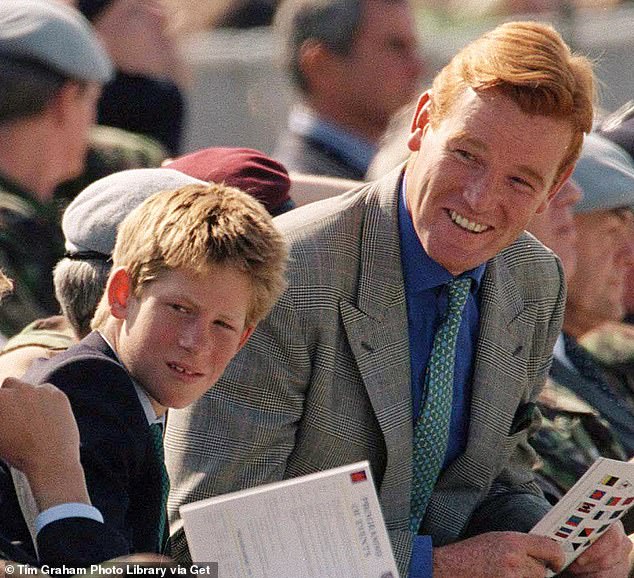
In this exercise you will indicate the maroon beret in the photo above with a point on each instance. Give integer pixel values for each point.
(247, 169)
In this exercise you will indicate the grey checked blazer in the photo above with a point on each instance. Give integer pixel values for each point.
(325, 379)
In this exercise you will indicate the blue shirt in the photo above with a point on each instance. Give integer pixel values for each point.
(426, 296)
(354, 150)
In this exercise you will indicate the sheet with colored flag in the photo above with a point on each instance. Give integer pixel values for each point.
(600, 497)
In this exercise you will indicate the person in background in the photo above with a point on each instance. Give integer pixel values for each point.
(604, 223)
(573, 434)
(354, 63)
(145, 96)
(418, 328)
(613, 341)
(52, 68)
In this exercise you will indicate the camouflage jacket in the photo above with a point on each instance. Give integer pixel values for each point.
(612, 346)
(53, 333)
(111, 150)
(30, 245)
(572, 436)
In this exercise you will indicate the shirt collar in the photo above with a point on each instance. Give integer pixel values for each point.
(420, 271)
(355, 150)
(144, 399)
(559, 353)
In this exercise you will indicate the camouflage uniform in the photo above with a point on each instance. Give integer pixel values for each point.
(53, 334)
(613, 348)
(112, 150)
(30, 244)
(611, 344)
(31, 241)
(572, 436)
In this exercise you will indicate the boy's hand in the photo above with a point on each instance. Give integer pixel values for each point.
(39, 436)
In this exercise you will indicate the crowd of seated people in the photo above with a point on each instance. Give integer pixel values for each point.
(450, 317)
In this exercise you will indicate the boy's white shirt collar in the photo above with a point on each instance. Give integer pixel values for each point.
(146, 404)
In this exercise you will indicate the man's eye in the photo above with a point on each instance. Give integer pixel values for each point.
(179, 308)
(523, 183)
(464, 154)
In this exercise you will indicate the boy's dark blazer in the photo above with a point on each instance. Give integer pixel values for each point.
(123, 472)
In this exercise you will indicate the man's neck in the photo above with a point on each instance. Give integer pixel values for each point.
(578, 324)
(25, 160)
(359, 125)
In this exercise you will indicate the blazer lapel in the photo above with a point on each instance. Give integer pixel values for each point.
(375, 323)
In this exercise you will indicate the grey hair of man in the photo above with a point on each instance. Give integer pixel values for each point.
(89, 224)
(79, 286)
(334, 23)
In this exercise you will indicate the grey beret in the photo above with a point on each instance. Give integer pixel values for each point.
(53, 35)
(605, 173)
(90, 222)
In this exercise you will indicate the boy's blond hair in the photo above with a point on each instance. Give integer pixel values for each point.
(197, 226)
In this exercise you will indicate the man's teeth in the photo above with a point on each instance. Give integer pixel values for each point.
(466, 223)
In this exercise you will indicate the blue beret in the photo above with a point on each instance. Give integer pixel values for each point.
(605, 173)
(91, 220)
(55, 36)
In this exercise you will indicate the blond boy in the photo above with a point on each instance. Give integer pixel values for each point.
(194, 270)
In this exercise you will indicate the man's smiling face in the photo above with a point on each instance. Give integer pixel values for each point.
(475, 180)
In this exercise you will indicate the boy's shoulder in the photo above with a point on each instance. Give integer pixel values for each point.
(92, 351)
(92, 377)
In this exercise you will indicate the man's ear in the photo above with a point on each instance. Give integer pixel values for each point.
(316, 62)
(555, 189)
(64, 104)
(119, 290)
(248, 331)
(420, 121)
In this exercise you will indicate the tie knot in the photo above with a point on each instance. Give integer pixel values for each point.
(156, 431)
(458, 292)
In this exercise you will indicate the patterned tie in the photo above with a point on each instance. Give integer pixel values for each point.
(432, 427)
(156, 431)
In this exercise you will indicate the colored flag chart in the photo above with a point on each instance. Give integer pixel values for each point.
(600, 497)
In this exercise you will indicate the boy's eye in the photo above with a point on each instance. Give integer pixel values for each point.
(179, 308)
(224, 325)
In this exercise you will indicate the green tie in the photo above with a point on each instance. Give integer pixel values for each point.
(432, 427)
(156, 431)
